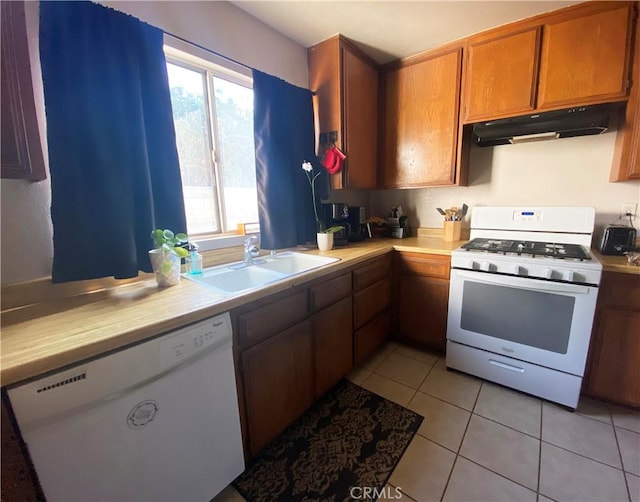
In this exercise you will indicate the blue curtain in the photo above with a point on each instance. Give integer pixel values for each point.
(112, 150)
(284, 138)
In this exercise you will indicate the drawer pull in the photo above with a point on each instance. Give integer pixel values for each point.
(506, 366)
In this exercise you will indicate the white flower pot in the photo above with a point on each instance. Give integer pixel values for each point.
(166, 267)
(325, 241)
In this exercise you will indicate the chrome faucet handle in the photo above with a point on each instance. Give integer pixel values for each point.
(251, 249)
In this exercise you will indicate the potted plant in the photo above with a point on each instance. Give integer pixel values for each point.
(324, 235)
(165, 258)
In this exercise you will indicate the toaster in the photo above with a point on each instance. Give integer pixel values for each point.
(617, 239)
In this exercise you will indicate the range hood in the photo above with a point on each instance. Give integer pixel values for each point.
(581, 121)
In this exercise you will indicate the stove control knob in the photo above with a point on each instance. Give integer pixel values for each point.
(568, 276)
(516, 269)
(547, 273)
(485, 266)
(472, 265)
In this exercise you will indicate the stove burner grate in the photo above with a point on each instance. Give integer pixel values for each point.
(528, 248)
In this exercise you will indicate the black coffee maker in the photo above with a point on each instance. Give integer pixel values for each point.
(357, 224)
(337, 214)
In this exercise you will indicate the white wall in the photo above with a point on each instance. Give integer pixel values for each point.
(564, 172)
(26, 243)
(227, 30)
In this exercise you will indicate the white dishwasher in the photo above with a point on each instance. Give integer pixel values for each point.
(156, 421)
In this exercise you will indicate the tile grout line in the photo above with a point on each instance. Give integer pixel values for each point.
(624, 473)
(500, 475)
(621, 469)
(461, 441)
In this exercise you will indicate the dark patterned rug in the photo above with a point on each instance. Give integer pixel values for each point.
(350, 439)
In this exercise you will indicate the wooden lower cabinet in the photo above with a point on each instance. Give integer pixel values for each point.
(370, 336)
(292, 348)
(278, 383)
(371, 306)
(422, 299)
(615, 341)
(332, 344)
(370, 302)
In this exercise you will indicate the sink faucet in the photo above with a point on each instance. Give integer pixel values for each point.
(251, 249)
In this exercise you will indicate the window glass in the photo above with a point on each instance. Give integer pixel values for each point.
(213, 119)
(236, 156)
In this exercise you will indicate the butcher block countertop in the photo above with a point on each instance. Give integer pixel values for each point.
(48, 326)
(616, 264)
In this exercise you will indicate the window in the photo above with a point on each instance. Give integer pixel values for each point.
(213, 116)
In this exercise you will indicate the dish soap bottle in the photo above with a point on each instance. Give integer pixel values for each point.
(194, 267)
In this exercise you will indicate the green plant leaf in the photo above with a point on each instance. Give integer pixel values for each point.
(333, 230)
(168, 234)
(182, 238)
(181, 252)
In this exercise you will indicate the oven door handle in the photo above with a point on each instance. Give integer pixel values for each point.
(531, 284)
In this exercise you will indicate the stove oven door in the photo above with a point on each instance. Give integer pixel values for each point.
(541, 322)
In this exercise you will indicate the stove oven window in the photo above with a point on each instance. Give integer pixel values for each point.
(533, 318)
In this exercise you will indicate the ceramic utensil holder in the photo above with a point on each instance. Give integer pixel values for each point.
(452, 230)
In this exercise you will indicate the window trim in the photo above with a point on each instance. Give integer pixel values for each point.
(184, 54)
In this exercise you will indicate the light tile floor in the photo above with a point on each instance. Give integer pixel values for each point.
(483, 442)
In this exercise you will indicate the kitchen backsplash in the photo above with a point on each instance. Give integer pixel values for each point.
(565, 172)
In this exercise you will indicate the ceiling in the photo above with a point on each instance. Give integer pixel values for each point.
(388, 30)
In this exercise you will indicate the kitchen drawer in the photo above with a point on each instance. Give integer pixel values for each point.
(329, 292)
(272, 318)
(372, 272)
(432, 265)
(370, 302)
(370, 336)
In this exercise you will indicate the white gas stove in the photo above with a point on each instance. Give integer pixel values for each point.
(522, 299)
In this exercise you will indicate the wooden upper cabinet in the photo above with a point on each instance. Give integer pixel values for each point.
(22, 155)
(345, 81)
(420, 127)
(586, 59)
(576, 56)
(360, 130)
(626, 156)
(501, 74)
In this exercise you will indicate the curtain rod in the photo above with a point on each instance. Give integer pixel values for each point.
(208, 50)
(231, 60)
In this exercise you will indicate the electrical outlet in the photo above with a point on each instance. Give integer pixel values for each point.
(629, 208)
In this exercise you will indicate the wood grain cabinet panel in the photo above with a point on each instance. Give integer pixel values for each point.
(626, 157)
(422, 299)
(21, 148)
(266, 321)
(612, 367)
(360, 121)
(371, 301)
(501, 75)
(615, 374)
(330, 291)
(370, 336)
(420, 128)
(278, 383)
(332, 344)
(585, 59)
(373, 271)
(345, 81)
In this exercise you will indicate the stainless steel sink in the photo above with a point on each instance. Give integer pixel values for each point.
(236, 277)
